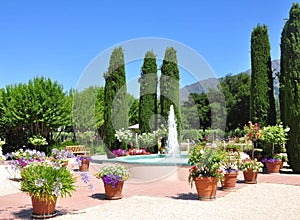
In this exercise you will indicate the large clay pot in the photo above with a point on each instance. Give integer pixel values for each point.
(250, 176)
(85, 164)
(113, 193)
(228, 184)
(273, 167)
(43, 208)
(206, 188)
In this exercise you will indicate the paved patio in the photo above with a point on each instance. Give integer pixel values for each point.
(18, 205)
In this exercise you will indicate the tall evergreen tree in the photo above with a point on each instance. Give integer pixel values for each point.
(262, 103)
(169, 86)
(289, 93)
(148, 94)
(115, 102)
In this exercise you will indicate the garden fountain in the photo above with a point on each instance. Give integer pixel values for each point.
(149, 168)
(172, 142)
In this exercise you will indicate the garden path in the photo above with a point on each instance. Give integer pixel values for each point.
(15, 204)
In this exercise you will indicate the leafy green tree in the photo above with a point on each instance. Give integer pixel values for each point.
(115, 102)
(262, 104)
(169, 87)
(203, 108)
(148, 94)
(236, 89)
(84, 109)
(37, 108)
(217, 108)
(289, 94)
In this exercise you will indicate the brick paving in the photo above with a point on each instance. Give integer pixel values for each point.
(18, 205)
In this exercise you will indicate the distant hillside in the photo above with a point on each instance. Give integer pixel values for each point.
(204, 85)
(200, 87)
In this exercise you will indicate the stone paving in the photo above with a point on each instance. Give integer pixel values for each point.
(18, 205)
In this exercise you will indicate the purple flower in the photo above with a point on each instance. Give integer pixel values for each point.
(111, 179)
(270, 160)
(85, 177)
(120, 152)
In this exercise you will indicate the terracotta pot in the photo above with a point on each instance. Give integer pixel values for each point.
(113, 193)
(273, 167)
(85, 164)
(206, 188)
(250, 176)
(43, 208)
(229, 181)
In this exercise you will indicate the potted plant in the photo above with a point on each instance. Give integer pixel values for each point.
(206, 170)
(61, 156)
(274, 135)
(45, 181)
(253, 133)
(22, 158)
(83, 162)
(113, 177)
(229, 165)
(250, 169)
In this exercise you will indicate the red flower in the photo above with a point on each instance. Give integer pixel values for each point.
(193, 168)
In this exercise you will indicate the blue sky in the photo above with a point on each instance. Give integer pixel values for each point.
(59, 39)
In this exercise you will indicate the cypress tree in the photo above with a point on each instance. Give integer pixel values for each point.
(115, 103)
(262, 102)
(289, 93)
(148, 95)
(169, 87)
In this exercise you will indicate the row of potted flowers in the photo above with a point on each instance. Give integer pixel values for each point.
(45, 178)
(211, 165)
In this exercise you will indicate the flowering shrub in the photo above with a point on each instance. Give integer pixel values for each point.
(120, 152)
(124, 135)
(248, 164)
(274, 135)
(40, 178)
(206, 162)
(37, 140)
(150, 139)
(22, 158)
(113, 174)
(254, 131)
(137, 152)
(147, 139)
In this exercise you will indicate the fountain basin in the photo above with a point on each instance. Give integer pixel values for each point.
(154, 167)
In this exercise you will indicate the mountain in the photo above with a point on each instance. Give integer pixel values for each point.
(204, 85)
(201, 86)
